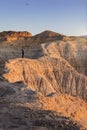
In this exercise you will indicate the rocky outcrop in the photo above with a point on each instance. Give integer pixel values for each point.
(10, 36)
(15, 34)
(48, 76)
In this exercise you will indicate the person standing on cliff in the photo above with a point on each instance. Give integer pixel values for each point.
(22, 51)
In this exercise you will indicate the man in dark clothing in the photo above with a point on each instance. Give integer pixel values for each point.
(22, 50)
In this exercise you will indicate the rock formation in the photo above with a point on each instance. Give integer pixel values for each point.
(10, 36)
(75, 52)
(44, 90)
(47, 75)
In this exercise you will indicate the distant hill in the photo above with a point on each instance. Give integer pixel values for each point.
(85, 36)
(47, 36)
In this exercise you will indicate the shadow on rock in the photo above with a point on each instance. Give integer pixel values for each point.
(13, 117)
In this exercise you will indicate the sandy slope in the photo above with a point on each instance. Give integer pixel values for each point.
(23, 108)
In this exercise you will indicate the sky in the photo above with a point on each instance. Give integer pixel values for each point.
(67, 17)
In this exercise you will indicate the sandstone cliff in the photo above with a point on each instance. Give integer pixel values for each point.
(10, 36)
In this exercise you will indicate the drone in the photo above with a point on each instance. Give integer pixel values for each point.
(27, 3)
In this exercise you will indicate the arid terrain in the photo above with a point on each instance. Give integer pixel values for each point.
(47, 89)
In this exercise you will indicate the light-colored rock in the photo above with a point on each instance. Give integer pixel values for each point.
(47, 75)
